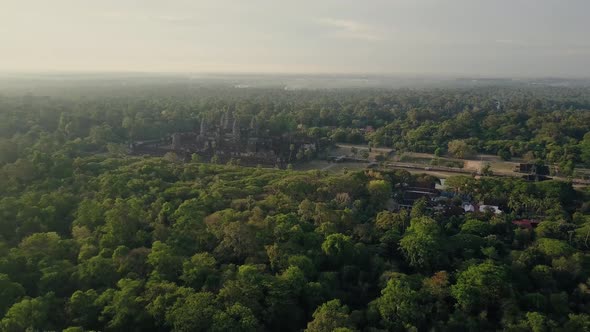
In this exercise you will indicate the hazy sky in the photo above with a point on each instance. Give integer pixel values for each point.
(486, 37)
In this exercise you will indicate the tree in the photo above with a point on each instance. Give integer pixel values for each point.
(477, 227)
(166, 263)
(83, 309)
(486, 169)
(579, 322)
(329, 317)
(553, 247)
(40, 246)
(380, 191)
(437, 152)
(460, 149)
(419, 208)
(124, 222)
(235, 318)
(461, 184)
(194, 312)
(124, 308)
(283, 309)
(89, 214)
(189, 233)
(504, 154)
(339, 248)
(238, 241)
(97, 272)
(584, 147)
(401, 304)
(480, 286)
(160, 296)
(9, 293)
(423, 244)
(386, 221)
(245, 289)
(30, 314)
(200, 271)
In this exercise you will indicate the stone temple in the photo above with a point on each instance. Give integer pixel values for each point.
(229, 139)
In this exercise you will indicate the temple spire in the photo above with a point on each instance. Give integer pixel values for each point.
(236, 130)
(203, 129)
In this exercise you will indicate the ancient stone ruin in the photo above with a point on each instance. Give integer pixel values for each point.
(229, 140)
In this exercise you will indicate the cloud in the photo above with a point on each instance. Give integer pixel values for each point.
(350, 29)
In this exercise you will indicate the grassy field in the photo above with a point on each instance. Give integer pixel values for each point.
(330, 166)
(347, 150)
(475, 164)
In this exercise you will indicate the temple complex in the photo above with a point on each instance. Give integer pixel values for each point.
(227, 139)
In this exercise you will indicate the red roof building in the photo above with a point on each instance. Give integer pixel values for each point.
(526, 223)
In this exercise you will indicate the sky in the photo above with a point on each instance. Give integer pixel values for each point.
(507, 38)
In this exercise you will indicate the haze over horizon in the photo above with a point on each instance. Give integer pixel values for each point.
(522, 38)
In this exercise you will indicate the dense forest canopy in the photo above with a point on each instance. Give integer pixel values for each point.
(548, 123)
(94, 239)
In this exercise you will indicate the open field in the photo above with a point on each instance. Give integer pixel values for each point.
(330, 166)
(498, 166)
(417, 163)
(347, 150)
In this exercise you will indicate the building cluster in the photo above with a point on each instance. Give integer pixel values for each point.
(437, 199)
(227, 139)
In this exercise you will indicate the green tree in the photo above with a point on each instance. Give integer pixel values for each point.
(124, 223)
(10, 292)
(125, 308)
(200, 271)
(402, 304)
(480, 286)
(166, 263)
(97, 272)
(235, 318)
(437, 152)
(477, 227)
(195, 312)
(329, 317)
(30, 314)
(83, 309)
(423, 244)
(380, 192)
(339, 248)
(504, 154)
(460, 149)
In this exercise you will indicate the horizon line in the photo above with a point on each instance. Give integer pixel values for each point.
(416, 75)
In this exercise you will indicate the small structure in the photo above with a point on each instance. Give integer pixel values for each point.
(468, 207)
(411, 194)
(526, 223)
(532, 169)
(493, 208)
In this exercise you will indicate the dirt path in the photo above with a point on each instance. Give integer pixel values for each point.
(473, 165)
(328, 167)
